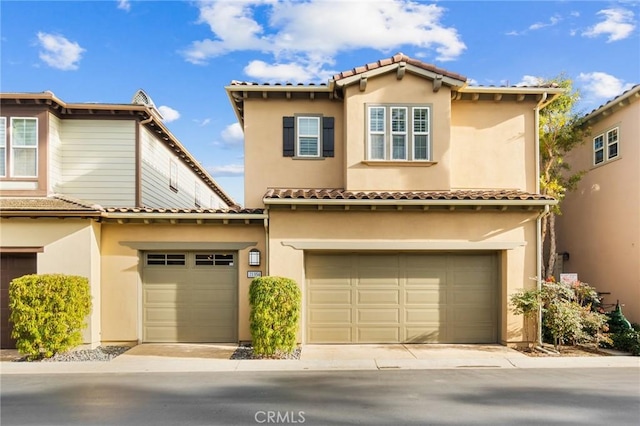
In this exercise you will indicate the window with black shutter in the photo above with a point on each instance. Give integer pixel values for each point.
(309, 136)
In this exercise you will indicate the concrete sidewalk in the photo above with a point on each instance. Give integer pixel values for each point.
(209, 358)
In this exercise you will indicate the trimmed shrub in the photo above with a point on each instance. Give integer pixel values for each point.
(48, 313)
(275, 314)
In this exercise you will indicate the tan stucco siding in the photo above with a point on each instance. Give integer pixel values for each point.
(493, 145)
(70, 247)
(265, 165)
(121, 272)
(422, 231)
(600, 224)
(387, 89)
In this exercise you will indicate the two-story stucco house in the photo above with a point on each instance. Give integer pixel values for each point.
(599, 229)
(404, 202)
(107, 192)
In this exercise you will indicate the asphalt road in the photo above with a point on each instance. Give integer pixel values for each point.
(464, 396)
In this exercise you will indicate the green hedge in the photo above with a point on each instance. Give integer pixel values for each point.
(275, 314)
(48, 313)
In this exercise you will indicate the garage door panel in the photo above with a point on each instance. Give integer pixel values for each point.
(431, 315)
(471, 315)
(330, 315)
(384, 279)
(472, 278)
(407, 297)
(331, 335)
(378, 297)
(367, 334)
(330, 297)
(168, 294)
(190, 303)
(423, 334)
(422, 297)
(378, 316)
(477, 297)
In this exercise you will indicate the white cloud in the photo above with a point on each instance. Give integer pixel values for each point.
(303, 37)
(554, 20)
(530, 80)
(233, 133)
(168, 114)
(618, 24)
(202, 122)
(539, 25)
(472, 82)
(602, 86)
(284, 72)
(227, 170)
(124, 5)
(58, 52)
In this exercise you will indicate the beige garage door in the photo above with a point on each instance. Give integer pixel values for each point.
(406, 298)
(190, 297)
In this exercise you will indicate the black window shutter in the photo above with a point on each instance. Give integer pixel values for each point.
(288, 137)
(327, 137)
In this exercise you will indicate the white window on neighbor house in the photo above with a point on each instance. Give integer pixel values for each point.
(308, 137)
(3, 147)
(399, 133)
(24, 147)
(197, 195)
(606, 146)
(173, 174)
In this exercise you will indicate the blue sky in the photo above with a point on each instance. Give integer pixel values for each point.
(183, 53)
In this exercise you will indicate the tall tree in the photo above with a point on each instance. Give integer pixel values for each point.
(560, 132)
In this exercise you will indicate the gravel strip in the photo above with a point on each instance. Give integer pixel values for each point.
(101, 353)
(246, 352)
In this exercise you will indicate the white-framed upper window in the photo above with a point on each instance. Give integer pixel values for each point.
(3, 147)
(606, 146)
(173, 174)
(24, 147)
(308, 136)
(399, 132)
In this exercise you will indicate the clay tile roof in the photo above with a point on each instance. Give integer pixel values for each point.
(52, 203)
(397, 58)
(340, 194)
(231, 210)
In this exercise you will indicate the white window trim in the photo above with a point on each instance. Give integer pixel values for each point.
(11, 148)
(427, 133)
(616, 142)
(404, 134)
(409, 133)
(605, 146)
(317, 136)
(377, 132)
(3, 142)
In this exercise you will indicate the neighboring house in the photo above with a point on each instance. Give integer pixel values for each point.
(404, 202)
(104, 169)
(599, 230)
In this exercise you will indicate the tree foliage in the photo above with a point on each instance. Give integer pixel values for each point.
(569, 311)
(275, 314)
(48, 313)
(560, 132)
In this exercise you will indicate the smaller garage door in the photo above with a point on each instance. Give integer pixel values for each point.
(190, 297)
(12, 265)
(401, 298)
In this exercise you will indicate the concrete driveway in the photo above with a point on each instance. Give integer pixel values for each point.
(335, 352)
